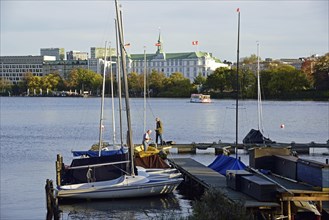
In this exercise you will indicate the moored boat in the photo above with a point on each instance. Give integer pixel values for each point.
(125, 186)
(200, 98)
(111, 174)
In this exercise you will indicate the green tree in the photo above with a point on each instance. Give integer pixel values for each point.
(177, 86)
(218, 80)
(250, 60)
(108, 84)
(136, 83)
(247, 80)
(155, 82)
(285, 79)
(199, 82)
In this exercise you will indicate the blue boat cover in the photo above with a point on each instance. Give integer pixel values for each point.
(92, 153)
(223, 163)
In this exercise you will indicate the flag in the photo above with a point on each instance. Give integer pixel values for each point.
(238, 10)
(195, 42)
(158, 44)
(127, 45)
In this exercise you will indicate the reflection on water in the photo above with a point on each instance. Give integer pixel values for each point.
(162, 207)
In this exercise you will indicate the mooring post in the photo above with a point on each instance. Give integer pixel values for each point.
(48, 198)
(52, 204)
(59, 163)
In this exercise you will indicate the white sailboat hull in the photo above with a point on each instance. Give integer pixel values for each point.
(127, 187)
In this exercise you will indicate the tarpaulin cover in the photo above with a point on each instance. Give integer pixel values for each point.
(223, 163)
(92, 153)
(256, 137)
(153, 161)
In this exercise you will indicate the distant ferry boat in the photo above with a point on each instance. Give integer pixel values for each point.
(200, 98)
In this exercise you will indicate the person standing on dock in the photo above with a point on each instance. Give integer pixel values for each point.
(146, 139)
(158, 131)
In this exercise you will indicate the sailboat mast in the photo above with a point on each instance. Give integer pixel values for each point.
(102, 106)
(124, 72)
(259, 97)
(237, 89)
(112, 96)
(144, 89)
(119, 80)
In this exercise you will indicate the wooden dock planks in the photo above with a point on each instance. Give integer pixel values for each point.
(209, 178)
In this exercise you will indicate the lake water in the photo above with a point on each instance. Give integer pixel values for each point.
(35, 130)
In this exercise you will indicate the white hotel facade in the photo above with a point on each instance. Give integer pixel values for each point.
(190, 64)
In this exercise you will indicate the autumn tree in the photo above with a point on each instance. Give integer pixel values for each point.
(52, 82)
(5, 85)
(84, 79)
(321, 73)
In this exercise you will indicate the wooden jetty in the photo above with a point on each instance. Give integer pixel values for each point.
(208, 178)
(221, 147)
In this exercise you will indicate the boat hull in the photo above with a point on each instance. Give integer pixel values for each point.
(200, 98)
(153, 187)
(200, 101)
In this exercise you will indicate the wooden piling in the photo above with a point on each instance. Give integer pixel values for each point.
(59, 165)
(52, 204)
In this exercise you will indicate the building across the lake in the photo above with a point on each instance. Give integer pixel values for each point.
(76, 55)
(59, 53)
(14, 68)
(190, 64)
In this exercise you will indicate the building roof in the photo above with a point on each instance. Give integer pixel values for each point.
(183, 55)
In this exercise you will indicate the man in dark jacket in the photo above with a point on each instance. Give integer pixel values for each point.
(158, 131)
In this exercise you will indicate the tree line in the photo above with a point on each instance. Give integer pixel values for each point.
(278, 81)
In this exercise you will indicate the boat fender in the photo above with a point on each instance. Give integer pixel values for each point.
(89, 176)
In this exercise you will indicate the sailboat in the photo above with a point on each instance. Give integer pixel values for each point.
(112, 176)
(222, 162)
(256, 136)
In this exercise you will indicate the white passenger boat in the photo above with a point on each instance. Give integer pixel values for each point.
(200, 98)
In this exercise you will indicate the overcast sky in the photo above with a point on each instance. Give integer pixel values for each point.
(284, 29)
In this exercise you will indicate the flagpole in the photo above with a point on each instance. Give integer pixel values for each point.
(237, 89)
(196, 43)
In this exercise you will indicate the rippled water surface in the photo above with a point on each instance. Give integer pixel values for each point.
(34, 130)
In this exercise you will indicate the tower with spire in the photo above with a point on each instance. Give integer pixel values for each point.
(159, 53)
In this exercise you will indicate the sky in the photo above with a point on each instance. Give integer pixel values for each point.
(284, 29)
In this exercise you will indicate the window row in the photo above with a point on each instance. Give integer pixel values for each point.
(20, 66)
(21, 70)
